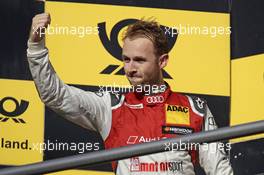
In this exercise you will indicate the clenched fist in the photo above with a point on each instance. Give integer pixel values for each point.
(39, 25)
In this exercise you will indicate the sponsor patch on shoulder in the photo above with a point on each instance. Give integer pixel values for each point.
(177, 130)
(198, 105)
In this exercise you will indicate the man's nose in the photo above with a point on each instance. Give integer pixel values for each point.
(131, 68)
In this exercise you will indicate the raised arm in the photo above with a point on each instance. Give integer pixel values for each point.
(84, 108)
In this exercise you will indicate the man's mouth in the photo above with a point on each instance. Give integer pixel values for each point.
(134, 77)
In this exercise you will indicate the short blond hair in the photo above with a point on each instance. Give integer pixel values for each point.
(151, 30)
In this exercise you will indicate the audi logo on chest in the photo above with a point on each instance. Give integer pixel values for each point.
(155, 99)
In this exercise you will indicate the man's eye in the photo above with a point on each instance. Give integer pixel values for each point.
(140, 61)
(126, 60)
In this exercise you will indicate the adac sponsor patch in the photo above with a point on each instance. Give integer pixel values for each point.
(176, 114)
(176, 130)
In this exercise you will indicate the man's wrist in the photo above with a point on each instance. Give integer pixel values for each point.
(36, 46)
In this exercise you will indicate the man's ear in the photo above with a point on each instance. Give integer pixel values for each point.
(163, 60)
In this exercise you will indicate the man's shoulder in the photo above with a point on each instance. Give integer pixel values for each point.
(198, 104)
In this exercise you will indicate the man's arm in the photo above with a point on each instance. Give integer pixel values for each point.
(212, 156)
(83, 108)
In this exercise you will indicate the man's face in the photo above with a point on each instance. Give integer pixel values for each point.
(140, 62)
